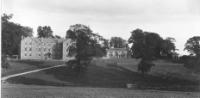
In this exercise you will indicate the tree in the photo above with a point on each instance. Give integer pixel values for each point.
(57, 36)
(145, 45)
(11, 35)
(168, 47)
(27, 31)
(117, 42)
(193, 45)
(86, 45)
(44, 31)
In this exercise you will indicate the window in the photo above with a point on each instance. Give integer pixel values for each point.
(25, 54)
(29, 54)
(25, 49)
(49, 50)
(39, 55)
(30, 49)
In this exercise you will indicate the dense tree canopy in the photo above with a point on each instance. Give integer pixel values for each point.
(117, 42)
(11, 35)
(45, 31)
(193, 45)
(192, 61)
(149, 46)
(86, 43)
(146, 45)
(168, 47)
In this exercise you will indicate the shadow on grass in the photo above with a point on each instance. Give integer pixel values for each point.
(118, 77)
(111, 77)
(30, 81)
(161, 83)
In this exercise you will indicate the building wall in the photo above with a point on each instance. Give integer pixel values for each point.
(117, 53)
(66, 45)
(38, 48)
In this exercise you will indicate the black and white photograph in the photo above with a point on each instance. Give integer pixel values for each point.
(100, 49)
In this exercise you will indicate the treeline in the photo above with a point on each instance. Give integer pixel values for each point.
(11, 35)
(147, 46)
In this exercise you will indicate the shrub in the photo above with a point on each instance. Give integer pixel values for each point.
(78, 67)
(192, 63)
(4, 62)
(145, 66)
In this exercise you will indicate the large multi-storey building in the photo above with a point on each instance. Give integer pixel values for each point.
(54, 48)
(45, 48)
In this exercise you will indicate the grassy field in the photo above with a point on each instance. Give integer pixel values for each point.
(116, 73)
(27, 65)
(32, 91)
(162, 68)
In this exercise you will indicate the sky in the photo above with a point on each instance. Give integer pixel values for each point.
(169, 18)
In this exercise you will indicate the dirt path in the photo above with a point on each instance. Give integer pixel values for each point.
(23, 73)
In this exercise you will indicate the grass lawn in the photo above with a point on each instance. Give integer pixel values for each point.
(164, 76)
(32, 91)
(27, 65)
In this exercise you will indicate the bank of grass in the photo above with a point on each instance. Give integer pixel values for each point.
(112, 74)
(19, 66)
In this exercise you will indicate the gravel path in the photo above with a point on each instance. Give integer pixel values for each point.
(32, 71)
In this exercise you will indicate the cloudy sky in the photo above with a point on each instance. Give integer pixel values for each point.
(170, 18)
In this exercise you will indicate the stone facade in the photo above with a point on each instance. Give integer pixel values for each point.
(44, 48)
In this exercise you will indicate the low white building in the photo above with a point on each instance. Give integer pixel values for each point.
(117, 53)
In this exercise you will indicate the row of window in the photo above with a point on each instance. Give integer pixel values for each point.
(26, 49)
(27, 54)
(49, 44)
(30, 54)
(39, 49)
(119, 52)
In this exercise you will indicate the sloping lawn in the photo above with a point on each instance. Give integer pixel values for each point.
(101, 74)
(27, 65)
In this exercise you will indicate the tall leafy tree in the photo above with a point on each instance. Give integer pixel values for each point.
(11, 35)
(193, 45)
(44, 31)
(117, 42)
(145, 45)
(168, 47)
(86, 45)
